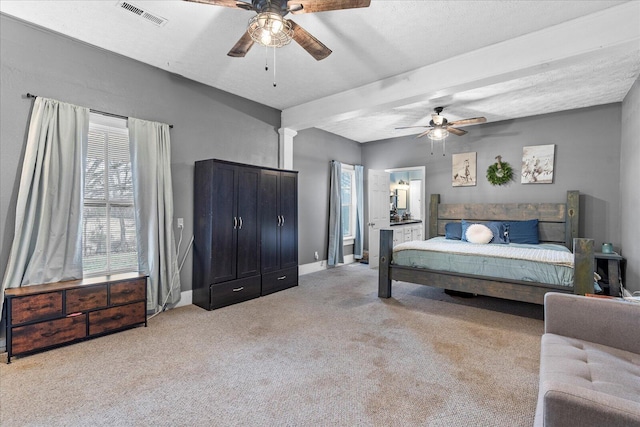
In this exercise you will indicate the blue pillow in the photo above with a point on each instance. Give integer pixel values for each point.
(453, 231)
(500, 232)
(524, 231)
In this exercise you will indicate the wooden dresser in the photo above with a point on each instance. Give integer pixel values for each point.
(40, 317)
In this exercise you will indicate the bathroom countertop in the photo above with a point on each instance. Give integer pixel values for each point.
(405, 222)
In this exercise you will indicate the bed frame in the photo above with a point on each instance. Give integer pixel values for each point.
(557, 222)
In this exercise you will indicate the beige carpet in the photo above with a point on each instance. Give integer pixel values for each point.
(326, 353)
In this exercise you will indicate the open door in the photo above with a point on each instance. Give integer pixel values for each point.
(378, 198)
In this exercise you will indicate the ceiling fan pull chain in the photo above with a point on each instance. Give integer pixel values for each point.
(274, 66)
(266, 58)
(431, 146)
(444, 141)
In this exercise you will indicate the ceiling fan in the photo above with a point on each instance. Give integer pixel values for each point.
(439, 127)
(269, 27)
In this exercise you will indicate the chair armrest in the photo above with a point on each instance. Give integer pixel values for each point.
(609, 322)
(569, 405)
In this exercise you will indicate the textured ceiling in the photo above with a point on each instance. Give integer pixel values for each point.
(377, 48)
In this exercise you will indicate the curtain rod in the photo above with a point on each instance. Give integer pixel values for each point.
(104, 113)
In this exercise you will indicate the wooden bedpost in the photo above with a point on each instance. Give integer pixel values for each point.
(583, 266)
(386, 252)
(433, 215)
(572, 217)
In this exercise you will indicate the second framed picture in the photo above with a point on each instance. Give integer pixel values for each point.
(537, 164)
(463, 169)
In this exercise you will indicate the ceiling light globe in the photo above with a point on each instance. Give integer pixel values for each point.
(438, 134)
(270, 29)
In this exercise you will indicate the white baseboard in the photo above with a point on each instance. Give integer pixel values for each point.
(186, 298)
(321, 265)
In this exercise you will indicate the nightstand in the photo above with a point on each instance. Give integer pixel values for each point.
(613, 266)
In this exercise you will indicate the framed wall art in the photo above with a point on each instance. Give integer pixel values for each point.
(463, 167)
(537, 164)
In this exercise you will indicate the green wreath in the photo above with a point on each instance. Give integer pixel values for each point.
(499, 173)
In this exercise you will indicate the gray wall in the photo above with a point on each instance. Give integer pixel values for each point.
(208, 123)
(629, 193)
(313, 149)
(587, 158)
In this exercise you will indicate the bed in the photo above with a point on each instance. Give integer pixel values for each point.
(557, 225)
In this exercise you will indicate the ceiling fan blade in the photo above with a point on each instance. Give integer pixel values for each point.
(411, 127)
(455, 131)
(465, 122)
(311, 6)
(423, 133)
(309, 43)
(242, 46)
(225, 3)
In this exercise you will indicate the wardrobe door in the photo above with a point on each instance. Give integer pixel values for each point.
(288, 201)
(270, 239)
(223, 223)
(248, 223)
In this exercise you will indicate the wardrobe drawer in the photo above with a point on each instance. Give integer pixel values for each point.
(235, 291)
(87, 298)
(111, 319)
(279, 280)
(36, 307)
(124, 292)
(46, 334)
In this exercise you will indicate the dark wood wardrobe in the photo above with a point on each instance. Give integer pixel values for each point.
(245, 232)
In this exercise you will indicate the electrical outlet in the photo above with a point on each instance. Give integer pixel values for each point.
(315, 255)
(180, 222)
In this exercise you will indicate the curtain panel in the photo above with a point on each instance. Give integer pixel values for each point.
(336, 250)
(358, 250)
(153, 198)
(47, 241)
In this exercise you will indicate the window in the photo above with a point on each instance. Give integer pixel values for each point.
(349, 201)
(109, 226)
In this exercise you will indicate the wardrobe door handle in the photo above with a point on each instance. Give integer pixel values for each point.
(235, 222)
(283, 220)
(279, 221)
(240, 226)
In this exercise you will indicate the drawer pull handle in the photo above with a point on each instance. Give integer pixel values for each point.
(238, 289)
(282, 278)
(49, 334)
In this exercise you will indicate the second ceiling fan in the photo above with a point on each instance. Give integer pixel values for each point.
(439, 127)
(271, 29)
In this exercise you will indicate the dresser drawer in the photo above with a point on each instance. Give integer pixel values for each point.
(279, 280)
(119, 317)
(223, 294)
(36, 307)
(125, 292)
(88, 298)
(46, 334)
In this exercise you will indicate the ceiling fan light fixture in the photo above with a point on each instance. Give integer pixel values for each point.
(438, 134)
(270, 29)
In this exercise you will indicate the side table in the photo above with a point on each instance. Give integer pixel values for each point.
(614, 270)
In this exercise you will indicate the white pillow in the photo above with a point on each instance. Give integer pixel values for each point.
(479, 233)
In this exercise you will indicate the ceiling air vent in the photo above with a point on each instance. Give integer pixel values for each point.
(155, 19)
